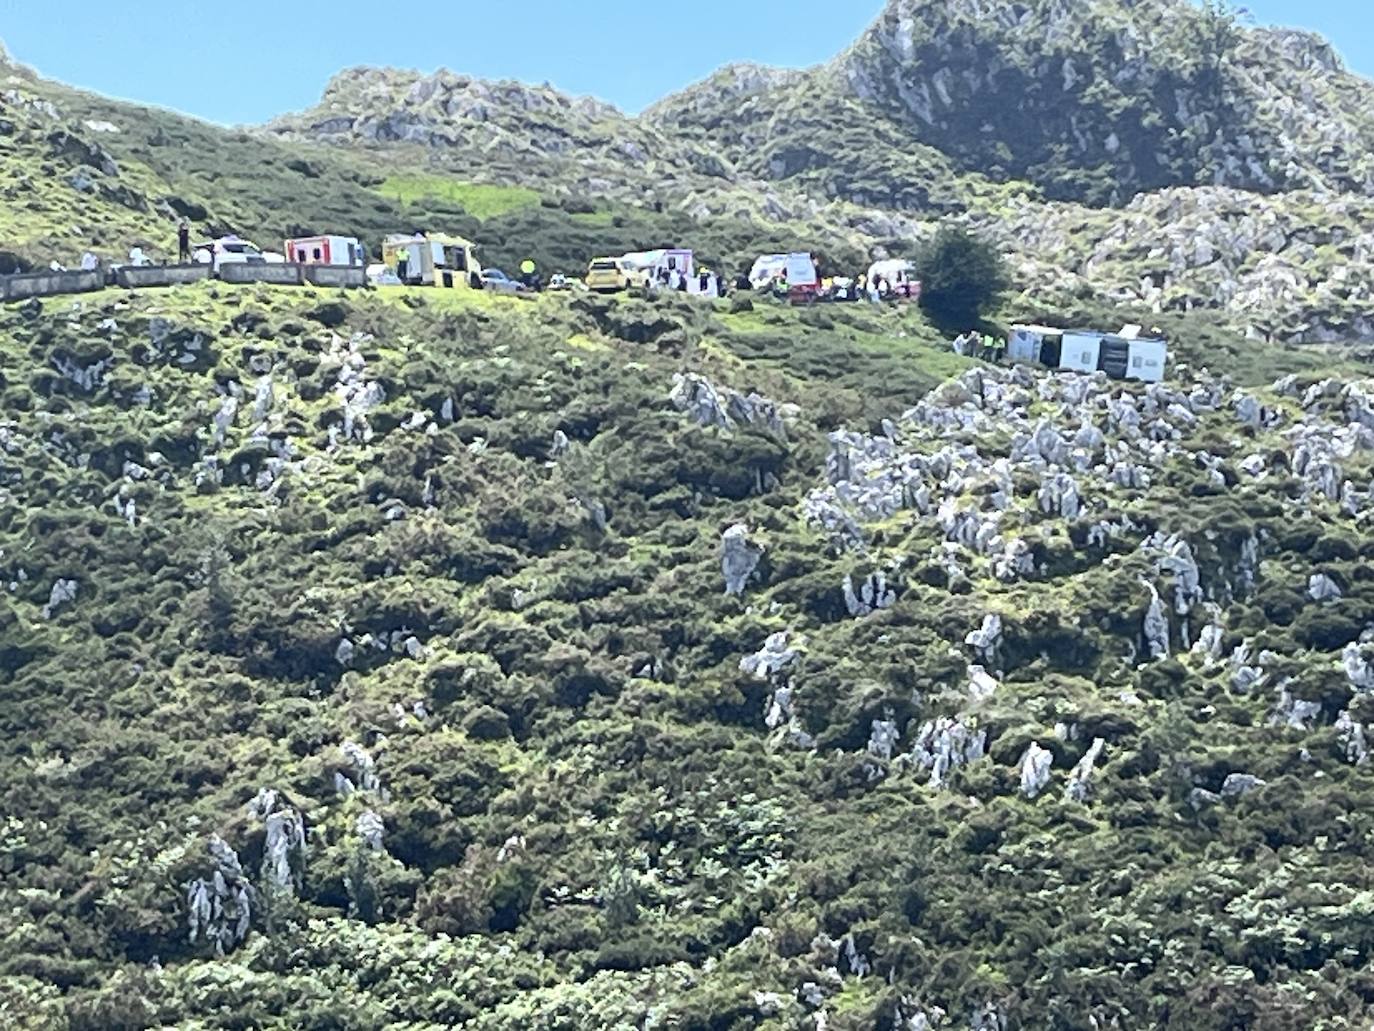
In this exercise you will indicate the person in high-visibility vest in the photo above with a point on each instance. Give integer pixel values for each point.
(527, 274)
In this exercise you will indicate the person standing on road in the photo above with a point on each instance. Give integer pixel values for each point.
(184, 243)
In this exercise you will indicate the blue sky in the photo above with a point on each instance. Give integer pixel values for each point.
(245, 61)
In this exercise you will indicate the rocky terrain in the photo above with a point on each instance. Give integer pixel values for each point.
(579, 663)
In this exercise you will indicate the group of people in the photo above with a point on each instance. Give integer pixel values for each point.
(875, 289)
(981, 345)
(703, 282)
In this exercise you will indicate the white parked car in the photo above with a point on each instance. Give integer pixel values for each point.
(231, 250)
(382, 275)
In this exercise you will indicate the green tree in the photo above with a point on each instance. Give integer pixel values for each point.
(961, 276)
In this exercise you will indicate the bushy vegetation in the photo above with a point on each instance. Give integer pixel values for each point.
(587, 822)
(962, 277)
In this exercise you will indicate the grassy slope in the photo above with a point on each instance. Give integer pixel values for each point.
(481, 201)
(267, 189)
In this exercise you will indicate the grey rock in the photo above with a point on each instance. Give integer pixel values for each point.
(1321, 588)
(1246, 678)
(1293, 712)
(370, 829)
(987, 639)
(943, 745)
(1035, 768)
(1156, 626)
(779, 708)
(1358, 661)
(219, 904)
(1178, 560)
(709, 405)
(361, 769)
(777, 654)
(739, 558)
(1353, 738)
(1237, 785)
(1058, 495)
(982, 685)
(224, 418)
(872, 594)
(987, 1017)
(855, 961)
(1248, 410)
(882, 739)
(263, 399)
(1209, 642)
(1079, 787)
(283, 859)
(1200, 798)
(63, 592)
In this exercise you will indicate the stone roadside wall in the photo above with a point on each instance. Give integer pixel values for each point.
(133, 277)
(282, 274)
(342, 276)
(47, 284)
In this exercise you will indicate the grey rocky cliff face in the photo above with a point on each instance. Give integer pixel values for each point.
(872, 594)
(943, 745)
(1278, 113)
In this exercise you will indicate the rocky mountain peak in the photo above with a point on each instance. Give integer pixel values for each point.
(1099, 101)
(1301, 49)
(443, 108)
(447, 93)
(731, 84)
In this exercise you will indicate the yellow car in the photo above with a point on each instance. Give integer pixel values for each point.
(608, 275)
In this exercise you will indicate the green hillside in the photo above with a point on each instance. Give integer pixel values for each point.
(414, 659)
(83, 172)
(382, 643)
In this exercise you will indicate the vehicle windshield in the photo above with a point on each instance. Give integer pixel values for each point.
(495, 273)
(603, 266)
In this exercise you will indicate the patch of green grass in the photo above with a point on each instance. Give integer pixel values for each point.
(598, 219)
(480, 200)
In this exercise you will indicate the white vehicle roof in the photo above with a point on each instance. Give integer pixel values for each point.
(640, 259)
(890, 267)
(226, 242)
